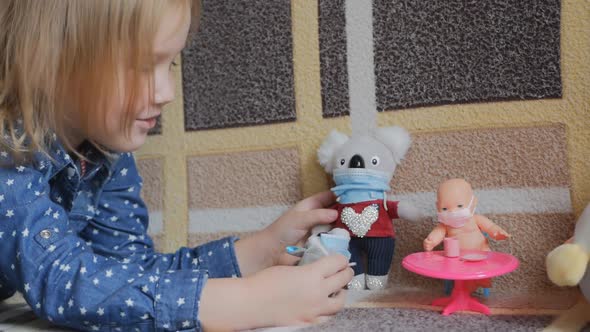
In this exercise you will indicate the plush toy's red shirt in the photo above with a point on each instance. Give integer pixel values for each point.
(383, 227)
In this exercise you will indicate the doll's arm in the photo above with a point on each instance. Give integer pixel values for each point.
(435, 237)
(494, 231)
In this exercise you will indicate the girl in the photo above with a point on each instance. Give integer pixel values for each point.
(81, 83)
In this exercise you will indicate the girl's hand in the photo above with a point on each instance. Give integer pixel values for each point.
(289, 295)
(267, 247)
(296, 223)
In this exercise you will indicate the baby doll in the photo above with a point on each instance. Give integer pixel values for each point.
(569, 264)
(362, 167)
(455, 204)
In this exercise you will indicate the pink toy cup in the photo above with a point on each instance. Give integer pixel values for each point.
(451, 246)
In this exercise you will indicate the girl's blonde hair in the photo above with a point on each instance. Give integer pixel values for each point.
(57, 55)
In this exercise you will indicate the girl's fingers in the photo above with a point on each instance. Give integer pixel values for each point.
(335, 303)
(330, 265)
(338, 281)
(317, 201)
(308, 219)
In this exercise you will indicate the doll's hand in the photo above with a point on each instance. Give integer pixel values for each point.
(428, 244)
(500, 234)
(295, 224)
(289, 295)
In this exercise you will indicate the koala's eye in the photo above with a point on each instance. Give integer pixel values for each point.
(342, 162)
(375, 161)
(444, 209)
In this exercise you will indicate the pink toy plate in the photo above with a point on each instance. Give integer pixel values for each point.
(474, 257)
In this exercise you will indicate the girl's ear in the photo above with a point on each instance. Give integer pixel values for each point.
(326, 151)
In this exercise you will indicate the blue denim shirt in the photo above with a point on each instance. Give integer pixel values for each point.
(77, 248)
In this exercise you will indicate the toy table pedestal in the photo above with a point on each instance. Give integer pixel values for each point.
(465, 274)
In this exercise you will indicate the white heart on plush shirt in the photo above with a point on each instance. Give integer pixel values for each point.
(360, 223)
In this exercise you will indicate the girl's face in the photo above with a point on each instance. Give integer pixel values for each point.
(170, 39)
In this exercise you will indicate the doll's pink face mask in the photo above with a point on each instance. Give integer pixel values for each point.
(457, 218)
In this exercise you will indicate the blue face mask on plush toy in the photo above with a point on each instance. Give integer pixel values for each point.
(355, 185)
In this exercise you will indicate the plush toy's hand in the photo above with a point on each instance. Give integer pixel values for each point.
(407, 211)
(567, 264)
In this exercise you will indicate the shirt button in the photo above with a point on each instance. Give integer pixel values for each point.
(46, 234)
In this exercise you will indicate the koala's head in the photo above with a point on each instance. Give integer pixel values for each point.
(380, 151)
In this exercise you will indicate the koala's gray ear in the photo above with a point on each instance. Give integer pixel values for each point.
(397, 140)
(326, 151)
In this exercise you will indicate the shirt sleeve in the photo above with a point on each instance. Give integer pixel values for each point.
(118, 226)
(67, 281)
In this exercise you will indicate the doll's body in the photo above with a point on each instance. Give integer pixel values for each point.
(455, 206)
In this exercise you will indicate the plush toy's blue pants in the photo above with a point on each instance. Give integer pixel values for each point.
(379, 251)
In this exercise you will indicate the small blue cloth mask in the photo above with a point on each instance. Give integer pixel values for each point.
(355, 185)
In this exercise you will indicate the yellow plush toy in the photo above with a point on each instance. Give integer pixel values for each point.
(569, 265)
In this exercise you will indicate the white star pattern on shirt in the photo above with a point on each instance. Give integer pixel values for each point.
(124, 172)
(186, 323)
(56, 215)
(27, 287)
(145, 289)
(48, 212)
(60, 310)
(51, 248)
(131, 189)
(195, 261)
(109, 273)
(1, 233)
(95, 281)
(145, 316)
(1, 198)
(59, 199)
(20, 169)
(10, 213)
(10, 182)
(69, 285)
(132, 237)
(114, 218)
(25, 233)
(83, 311)
(100, 311)
(180, 301)
(83, 270)
(4, 154)
(129, 302)
(70, 303)
(95, 328)
(166, 326)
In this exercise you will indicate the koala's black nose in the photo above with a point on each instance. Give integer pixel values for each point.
(356, 162)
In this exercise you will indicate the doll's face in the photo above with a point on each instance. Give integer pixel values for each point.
(364, 152)
(455, 194)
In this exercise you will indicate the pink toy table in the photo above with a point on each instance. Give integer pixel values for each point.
(435, 264)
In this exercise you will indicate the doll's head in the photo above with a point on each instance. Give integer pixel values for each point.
(376, 154)
(455, 202)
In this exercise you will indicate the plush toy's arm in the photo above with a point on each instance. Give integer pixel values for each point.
(407, 211)
(582, 232)
(494, 231)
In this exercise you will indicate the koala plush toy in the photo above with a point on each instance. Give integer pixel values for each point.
(362, 167)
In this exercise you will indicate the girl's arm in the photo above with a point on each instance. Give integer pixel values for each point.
(85, 282)
(118, 225)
